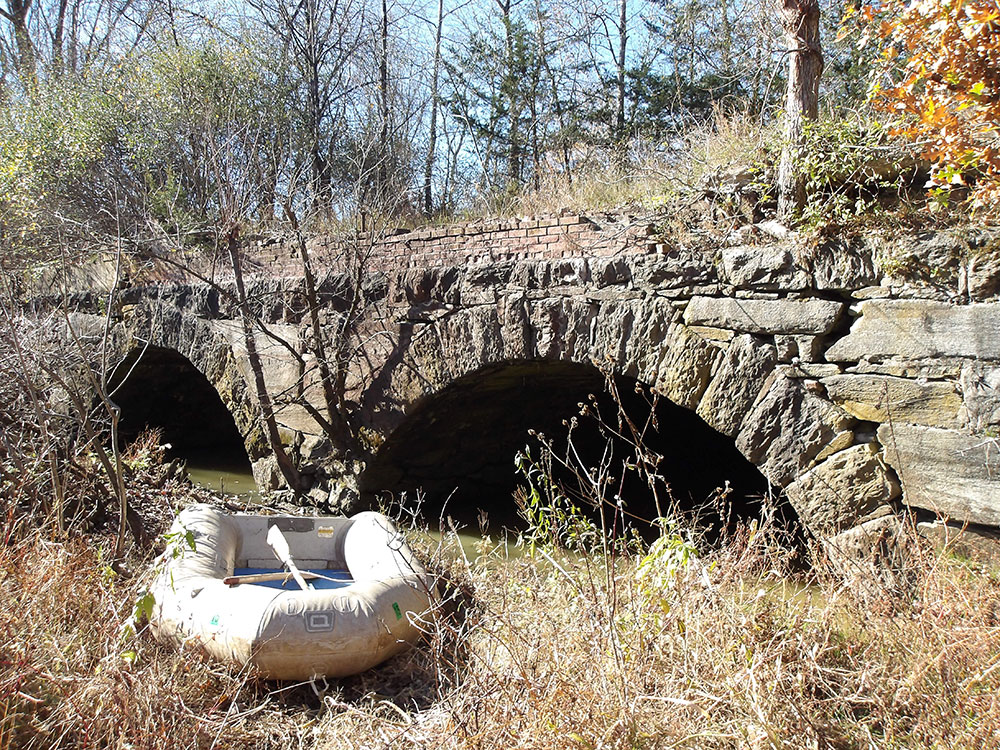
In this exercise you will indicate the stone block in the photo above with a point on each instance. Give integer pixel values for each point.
(981, 391)
(880, 398)
(762, 267)
(801, 348)
(974, 543)
(810, 370)
(787, 428)
(672, 270)
(786, 347)
(840, 265)
(737, 383)
(815, 316)
(835, 494)
(853, 550)
(917, 329)
(945, 471)
(712, 334)
(686, 367)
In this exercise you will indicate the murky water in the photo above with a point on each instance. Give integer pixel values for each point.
(228, 479)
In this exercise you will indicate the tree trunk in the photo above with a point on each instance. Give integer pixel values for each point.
(432, 142)
(288, 470)
(621, 141)
(16, 14)
(800, 20)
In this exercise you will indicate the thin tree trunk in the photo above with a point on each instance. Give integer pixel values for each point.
(432, 142)
(340, 431)
(382, 197)
(288, 470)
(17, 15)
(800, 20)
(58, 59)
(621, 142)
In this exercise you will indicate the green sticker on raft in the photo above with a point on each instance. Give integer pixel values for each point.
(395, 608)
(214, 620)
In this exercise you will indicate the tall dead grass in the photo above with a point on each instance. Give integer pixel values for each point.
(553, 651)
(660, 173)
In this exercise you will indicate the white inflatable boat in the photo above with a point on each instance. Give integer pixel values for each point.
(366, 598)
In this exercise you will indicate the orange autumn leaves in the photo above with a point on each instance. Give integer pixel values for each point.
(938, 74)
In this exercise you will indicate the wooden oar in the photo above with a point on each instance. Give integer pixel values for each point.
(280, 546)
(279, 575)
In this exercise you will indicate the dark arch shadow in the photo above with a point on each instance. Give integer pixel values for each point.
(158, 387)
(458, 445)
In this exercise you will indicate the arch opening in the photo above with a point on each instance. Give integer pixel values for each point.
(459, 446)
(159, 388)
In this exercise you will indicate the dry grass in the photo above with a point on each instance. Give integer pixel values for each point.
(659, 174)
(559, 652)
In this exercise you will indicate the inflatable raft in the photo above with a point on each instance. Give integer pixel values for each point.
(370, 599)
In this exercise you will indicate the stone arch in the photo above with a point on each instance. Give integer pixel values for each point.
(184, 320)
(157, 387)
(458, 444)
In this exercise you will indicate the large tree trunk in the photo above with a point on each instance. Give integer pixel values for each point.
(800, 20)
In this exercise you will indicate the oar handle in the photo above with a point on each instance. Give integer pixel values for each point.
(280, 546)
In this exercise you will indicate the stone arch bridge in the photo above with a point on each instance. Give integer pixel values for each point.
(853, 375)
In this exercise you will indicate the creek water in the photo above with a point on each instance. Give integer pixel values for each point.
(228, 478)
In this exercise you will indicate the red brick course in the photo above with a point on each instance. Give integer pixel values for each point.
(478, 242)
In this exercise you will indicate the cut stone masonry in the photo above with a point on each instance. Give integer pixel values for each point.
(849, 383)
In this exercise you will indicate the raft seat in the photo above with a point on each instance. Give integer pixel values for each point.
(343, 578)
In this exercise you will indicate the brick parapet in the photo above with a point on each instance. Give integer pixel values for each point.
(479, 242)
(474, 243)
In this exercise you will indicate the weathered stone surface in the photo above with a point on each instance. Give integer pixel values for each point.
(930, 369)
(841, 265)
(762, 267)
(786, 347)
(737, 383)
(834, 494)
(652, 323)
(878, 398)
(686, 367)
(857, 551)
(970, 542)
(982, 273)
(712, 334)
(801, 348)
(946, 471)
(266, 474)
(917, 329)
(676, 269)
(841, 441)
(981, 390)
(787, 428)
(809, 370)
(764, 316)
(610, 271)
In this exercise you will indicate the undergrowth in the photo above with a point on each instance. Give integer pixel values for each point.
(682, 645)
(609, 644)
